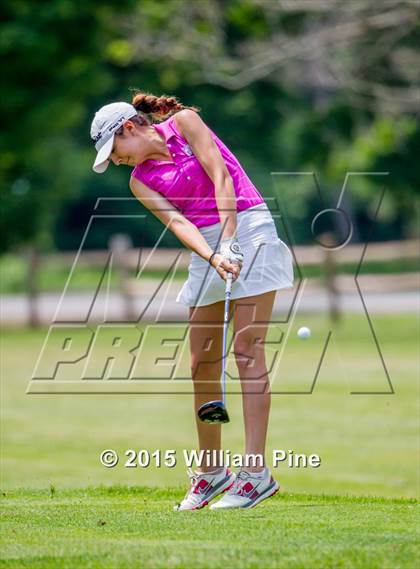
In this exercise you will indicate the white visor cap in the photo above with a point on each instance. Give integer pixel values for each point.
(103, 128)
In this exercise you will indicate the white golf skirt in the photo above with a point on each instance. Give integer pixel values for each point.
(268, 263)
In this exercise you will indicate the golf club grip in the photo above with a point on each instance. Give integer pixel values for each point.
(229, 281)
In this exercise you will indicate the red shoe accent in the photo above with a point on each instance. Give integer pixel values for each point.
(199, 506)
(229, 487)
(202, 486)
(246, 489)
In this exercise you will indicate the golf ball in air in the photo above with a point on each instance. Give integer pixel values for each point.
(304, 333)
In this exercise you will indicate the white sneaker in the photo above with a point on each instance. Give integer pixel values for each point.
(248, 490)
(205, 487)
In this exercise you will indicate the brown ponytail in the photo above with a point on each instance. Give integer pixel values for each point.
(158, 108)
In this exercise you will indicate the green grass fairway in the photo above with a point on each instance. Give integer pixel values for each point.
(62, 508)
(122, 527)
(368, 443)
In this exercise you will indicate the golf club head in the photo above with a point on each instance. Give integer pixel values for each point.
(213, 412)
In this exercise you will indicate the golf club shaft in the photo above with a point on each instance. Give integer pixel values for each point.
(225, 329)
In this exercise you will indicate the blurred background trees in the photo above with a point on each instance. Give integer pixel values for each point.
(321, 85)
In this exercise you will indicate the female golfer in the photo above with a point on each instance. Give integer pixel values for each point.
(192, 182)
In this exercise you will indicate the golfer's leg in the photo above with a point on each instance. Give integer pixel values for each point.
(206, 331)
(251, 319)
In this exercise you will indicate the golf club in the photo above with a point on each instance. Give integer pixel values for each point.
(215, 411)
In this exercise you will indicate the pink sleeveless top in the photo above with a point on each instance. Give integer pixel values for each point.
(185, 183)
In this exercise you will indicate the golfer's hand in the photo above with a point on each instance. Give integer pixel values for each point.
(224, 266)
(231, 250)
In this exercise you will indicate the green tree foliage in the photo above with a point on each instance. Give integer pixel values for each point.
(324, 85)
(52, 58)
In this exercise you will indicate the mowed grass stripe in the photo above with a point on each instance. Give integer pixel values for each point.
(135, 527)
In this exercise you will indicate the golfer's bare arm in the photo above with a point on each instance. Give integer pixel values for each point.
(186, 231)
(198, 136)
